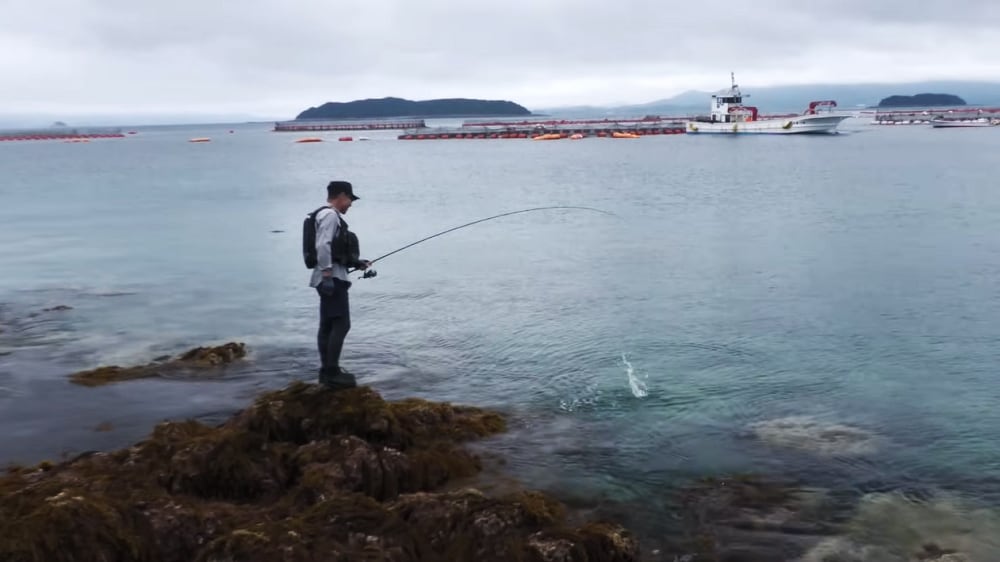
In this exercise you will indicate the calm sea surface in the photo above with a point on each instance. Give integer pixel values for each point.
(820, 308)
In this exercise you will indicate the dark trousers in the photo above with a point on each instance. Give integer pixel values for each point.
(334, 323)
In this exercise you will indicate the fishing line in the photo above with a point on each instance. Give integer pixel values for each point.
(371, 273)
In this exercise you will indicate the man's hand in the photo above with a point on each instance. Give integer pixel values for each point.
(364, 264)
(327, 287)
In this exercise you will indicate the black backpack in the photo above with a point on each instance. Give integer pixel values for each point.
(344, 250)
(309, 239)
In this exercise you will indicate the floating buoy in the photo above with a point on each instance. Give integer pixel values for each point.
(575, 136)
(200, 139)
(618, 135)
(548, 136)
(345, 139)
(310, 139)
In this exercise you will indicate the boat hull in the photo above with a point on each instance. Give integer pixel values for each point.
(800, 124)
(960, 124)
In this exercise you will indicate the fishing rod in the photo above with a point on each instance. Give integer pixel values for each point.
(369, 273)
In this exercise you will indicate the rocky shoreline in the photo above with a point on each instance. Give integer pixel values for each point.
(305, 473)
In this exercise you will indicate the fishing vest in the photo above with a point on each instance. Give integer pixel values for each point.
(344, 248)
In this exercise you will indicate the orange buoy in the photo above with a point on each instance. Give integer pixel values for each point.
(310, 139)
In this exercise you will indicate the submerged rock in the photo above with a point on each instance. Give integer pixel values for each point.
(304, 473)
(896, 527)
(197, 358)
(809, 434)
(751, 519)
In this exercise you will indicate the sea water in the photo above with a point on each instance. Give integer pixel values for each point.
(824, 308)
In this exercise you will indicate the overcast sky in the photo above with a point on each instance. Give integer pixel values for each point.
(273, 58)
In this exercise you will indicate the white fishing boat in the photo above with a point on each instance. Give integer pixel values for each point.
(954, 123)
(730, 116)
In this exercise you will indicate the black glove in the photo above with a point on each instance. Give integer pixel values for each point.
(327, 287)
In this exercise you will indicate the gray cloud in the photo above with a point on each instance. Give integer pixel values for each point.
(274, 58)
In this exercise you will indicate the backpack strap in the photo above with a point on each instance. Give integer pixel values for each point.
(315, 216)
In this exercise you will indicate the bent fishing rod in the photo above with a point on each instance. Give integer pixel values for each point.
(369, 273)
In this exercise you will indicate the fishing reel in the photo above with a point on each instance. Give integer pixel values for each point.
(369, 274)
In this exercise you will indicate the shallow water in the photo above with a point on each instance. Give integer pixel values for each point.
(843, 281)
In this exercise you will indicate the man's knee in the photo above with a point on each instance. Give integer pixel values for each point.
(342, 324)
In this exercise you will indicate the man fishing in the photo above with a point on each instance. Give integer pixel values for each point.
(336, 249)
(329, 249)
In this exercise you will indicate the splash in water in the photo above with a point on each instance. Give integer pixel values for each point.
(636, 384)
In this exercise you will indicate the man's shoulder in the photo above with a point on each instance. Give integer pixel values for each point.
(324, 214)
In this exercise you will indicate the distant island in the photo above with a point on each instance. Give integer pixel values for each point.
(397, 107)
(921, 100)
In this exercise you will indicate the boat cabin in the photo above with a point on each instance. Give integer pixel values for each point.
(729, 108)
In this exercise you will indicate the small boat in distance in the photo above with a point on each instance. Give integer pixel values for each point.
(730, 116)
(957, 123)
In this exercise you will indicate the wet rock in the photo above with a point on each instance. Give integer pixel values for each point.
(199, 358)
(211, 356)
(841, 549)
(714, 498)
(934, 553)
(228, 466)
(749, 518)
(73, 523)
(938, 527)
(955, 557)
(303, 413)
(303, 474)
(894, 527)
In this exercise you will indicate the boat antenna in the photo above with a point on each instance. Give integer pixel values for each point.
(371, 273)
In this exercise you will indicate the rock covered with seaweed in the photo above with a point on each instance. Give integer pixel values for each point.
(198, 358)
(305, 473)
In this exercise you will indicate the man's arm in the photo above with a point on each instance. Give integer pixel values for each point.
(326, 229)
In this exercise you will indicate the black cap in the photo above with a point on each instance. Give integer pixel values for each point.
(337, 187)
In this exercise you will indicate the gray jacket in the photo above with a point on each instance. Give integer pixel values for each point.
(327, 225)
